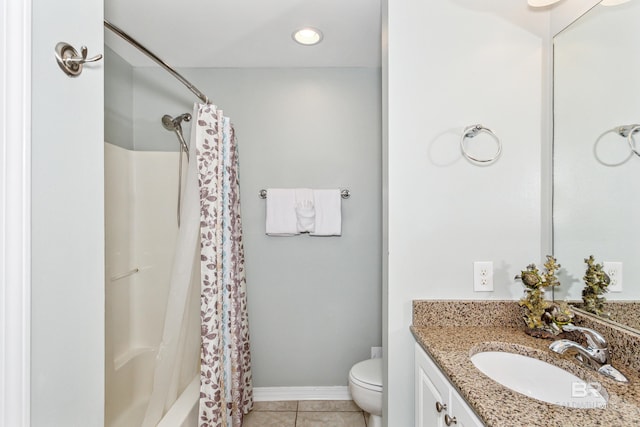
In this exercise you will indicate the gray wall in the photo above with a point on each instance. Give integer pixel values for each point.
(314, 303)
(118, 100)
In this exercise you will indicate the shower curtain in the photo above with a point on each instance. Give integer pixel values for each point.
(225, 374)
(211, 215)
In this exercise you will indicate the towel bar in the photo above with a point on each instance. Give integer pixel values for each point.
(123, 275)
(345, 194)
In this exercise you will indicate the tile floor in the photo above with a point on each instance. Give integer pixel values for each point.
(305, 413)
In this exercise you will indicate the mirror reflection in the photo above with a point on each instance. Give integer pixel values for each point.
(596, 172)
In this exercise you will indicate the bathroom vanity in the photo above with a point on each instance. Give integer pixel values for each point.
(445, 374)
(438, 403)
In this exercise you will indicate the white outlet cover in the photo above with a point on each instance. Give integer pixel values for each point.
(614, 271)
(483, 276)
(376, 352)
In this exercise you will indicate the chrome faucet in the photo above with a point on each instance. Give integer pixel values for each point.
(595, 355)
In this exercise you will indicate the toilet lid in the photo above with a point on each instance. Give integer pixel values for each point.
(368, 372)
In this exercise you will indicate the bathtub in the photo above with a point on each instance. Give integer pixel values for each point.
(184, 412)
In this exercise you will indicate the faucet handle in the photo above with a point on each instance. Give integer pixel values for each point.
(594, 338)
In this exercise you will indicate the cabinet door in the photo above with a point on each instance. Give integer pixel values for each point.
(436, 401)
(464, 415)
(431, 392)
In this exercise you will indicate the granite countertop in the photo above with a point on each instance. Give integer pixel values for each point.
(451, 346)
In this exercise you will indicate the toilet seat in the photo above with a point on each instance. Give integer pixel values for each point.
(367, 374)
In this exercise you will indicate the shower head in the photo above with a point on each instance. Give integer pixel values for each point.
(173, 124)
(167, 122)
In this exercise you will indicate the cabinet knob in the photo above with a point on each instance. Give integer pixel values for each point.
(441, 407)
(450, 420)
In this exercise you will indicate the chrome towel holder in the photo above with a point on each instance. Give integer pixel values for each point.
(344, 193)
(473, 131)
(631, 130)
(625, 131)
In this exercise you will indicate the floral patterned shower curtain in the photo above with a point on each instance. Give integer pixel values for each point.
(226, 392)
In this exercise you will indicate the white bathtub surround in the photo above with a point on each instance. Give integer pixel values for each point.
(141, 230)
(184, 411)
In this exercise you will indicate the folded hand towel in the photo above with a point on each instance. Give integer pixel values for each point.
(281, 212)
(327, 205)
(305, 212)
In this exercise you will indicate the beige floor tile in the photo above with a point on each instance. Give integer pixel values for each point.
(285, 405)
(269, 419)
(332, 419)
(327, 406)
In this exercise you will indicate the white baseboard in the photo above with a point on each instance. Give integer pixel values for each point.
(270, 394)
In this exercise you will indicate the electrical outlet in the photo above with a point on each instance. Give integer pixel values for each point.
(614, 271)
(376, 352)
(483, 276)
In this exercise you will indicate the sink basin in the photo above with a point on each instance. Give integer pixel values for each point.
(540, 380)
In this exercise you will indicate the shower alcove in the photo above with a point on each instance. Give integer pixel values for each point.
(141, 190)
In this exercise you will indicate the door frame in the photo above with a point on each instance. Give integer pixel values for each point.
(15, 212)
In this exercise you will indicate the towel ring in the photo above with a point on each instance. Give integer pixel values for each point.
(626, 132)
(472, 132)
(632, 142)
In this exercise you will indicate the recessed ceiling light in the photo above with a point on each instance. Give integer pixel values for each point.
(307, 36)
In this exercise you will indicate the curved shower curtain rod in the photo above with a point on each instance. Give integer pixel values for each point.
(159, 61)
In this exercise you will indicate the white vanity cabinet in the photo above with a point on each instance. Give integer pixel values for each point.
(437, 402)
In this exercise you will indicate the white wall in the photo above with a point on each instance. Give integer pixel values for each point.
(67, 330)
(313, 302)
(450, 65)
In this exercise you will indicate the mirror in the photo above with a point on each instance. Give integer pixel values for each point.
(596, 203)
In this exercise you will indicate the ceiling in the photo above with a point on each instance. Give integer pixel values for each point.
(247, 33)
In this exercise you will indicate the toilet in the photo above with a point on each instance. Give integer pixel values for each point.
(365, 386)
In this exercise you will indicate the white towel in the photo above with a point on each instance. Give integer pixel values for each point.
(305, 213)
(328, 216)
(281, 212)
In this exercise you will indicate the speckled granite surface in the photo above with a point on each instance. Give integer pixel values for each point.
(465, 313)
(451, 348)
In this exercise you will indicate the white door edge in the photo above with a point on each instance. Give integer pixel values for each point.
(15, 212)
